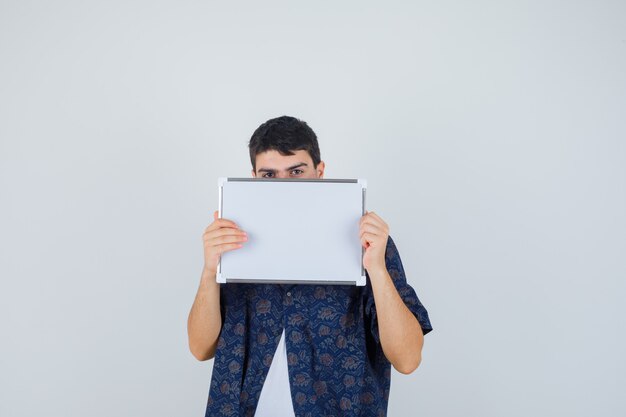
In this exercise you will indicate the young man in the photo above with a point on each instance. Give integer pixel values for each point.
(304, 350)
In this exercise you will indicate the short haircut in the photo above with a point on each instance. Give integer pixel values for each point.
(284, 134)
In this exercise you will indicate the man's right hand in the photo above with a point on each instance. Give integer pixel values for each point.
(221, 236)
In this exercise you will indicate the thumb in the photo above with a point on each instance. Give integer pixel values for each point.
(215, 215)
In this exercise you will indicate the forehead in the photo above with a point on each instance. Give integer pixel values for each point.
(274, 160)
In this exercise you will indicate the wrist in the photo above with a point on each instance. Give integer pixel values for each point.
(377, 270)
(209, 270)
(208, 277)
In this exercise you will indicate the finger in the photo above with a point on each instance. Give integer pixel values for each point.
(218, 236)
(370, 215)
(368, 228)
(228, 247)
(221, 223)
(373, 215)
(374, 222)
(373, 239)
(215, 214)
(227, 239)
(225, 231)
(370, 220)
(366, 239)
(370, 237)
(376, 216)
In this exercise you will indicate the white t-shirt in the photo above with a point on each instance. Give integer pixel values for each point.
(275, 399)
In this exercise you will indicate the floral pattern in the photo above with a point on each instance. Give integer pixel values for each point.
(336, 363)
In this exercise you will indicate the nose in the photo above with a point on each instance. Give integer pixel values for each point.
(282, 175)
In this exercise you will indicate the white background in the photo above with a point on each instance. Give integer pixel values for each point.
(505, 119)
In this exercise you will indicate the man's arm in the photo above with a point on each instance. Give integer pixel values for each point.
(205, 319)
(400, 333)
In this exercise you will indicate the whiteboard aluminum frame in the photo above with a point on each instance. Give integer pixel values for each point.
(221, 279)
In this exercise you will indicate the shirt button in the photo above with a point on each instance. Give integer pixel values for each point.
(289, 294)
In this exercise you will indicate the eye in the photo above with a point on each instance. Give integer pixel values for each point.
(267, 175)
(296, 172)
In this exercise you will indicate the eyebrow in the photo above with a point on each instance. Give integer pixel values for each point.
(301, 164)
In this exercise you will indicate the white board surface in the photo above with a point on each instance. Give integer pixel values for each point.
(299, 230)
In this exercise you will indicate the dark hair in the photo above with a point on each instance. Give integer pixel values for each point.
(284, 134)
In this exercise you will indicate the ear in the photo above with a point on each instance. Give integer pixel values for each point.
(253, 174)
(320, 169)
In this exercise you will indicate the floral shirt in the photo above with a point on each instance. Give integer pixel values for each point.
(336, 362)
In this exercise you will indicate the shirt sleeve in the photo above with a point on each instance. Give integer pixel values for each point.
(407, 293)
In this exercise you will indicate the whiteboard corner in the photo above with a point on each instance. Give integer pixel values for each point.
(363, 183)
(361, 281)
(221, 181)
(220, 279)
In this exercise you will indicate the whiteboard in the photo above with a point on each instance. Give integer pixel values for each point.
(303, 231)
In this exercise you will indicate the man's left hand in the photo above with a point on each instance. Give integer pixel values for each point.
(373, 232)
